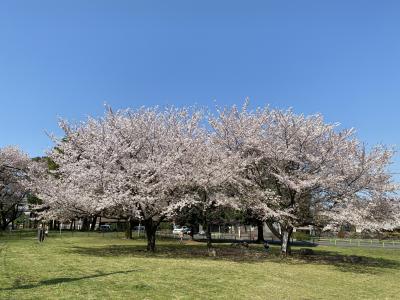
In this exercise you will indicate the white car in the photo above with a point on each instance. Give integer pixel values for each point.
(178, 230)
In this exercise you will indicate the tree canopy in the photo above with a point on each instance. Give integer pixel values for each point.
(278, 166)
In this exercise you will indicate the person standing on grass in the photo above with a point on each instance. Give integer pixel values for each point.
(40, 233)
(181, 236)
(266, 246)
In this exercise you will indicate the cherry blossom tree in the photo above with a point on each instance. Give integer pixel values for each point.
(78, 186)
(14, 165)
(207, 184)
(365, 215)
(122, 164)
(312, 168)
(236, 132)
(154, 146)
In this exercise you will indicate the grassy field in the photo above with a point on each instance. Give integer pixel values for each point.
(96, 267)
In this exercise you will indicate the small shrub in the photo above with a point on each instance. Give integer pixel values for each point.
(341, 234)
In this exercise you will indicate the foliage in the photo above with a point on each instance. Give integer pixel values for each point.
(14, 165)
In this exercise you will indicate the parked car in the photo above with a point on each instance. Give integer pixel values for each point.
(184, 229)
(139, 228)
(105, 227)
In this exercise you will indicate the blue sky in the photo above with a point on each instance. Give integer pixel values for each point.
(66, 58)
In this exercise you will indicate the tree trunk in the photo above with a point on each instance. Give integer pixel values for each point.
(85, 224)
(128, 231)
(260, 232)
(93, 225)
(3, 222)
(285, 246)
(208, 236)
(273, 230)
(2, 217)
(192, 232)
(151, 228)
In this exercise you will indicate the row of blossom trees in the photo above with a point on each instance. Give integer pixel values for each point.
(284, 168)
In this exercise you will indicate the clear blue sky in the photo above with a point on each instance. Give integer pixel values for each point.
(66, 58)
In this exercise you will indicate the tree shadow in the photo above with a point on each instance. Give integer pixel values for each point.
(348, 263)
(252, 254)
(18, 286)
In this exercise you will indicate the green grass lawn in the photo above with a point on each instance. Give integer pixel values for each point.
(96, 267)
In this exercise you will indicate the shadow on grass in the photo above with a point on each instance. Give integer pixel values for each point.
(253, 254)
(19, 286)
(348, 263)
